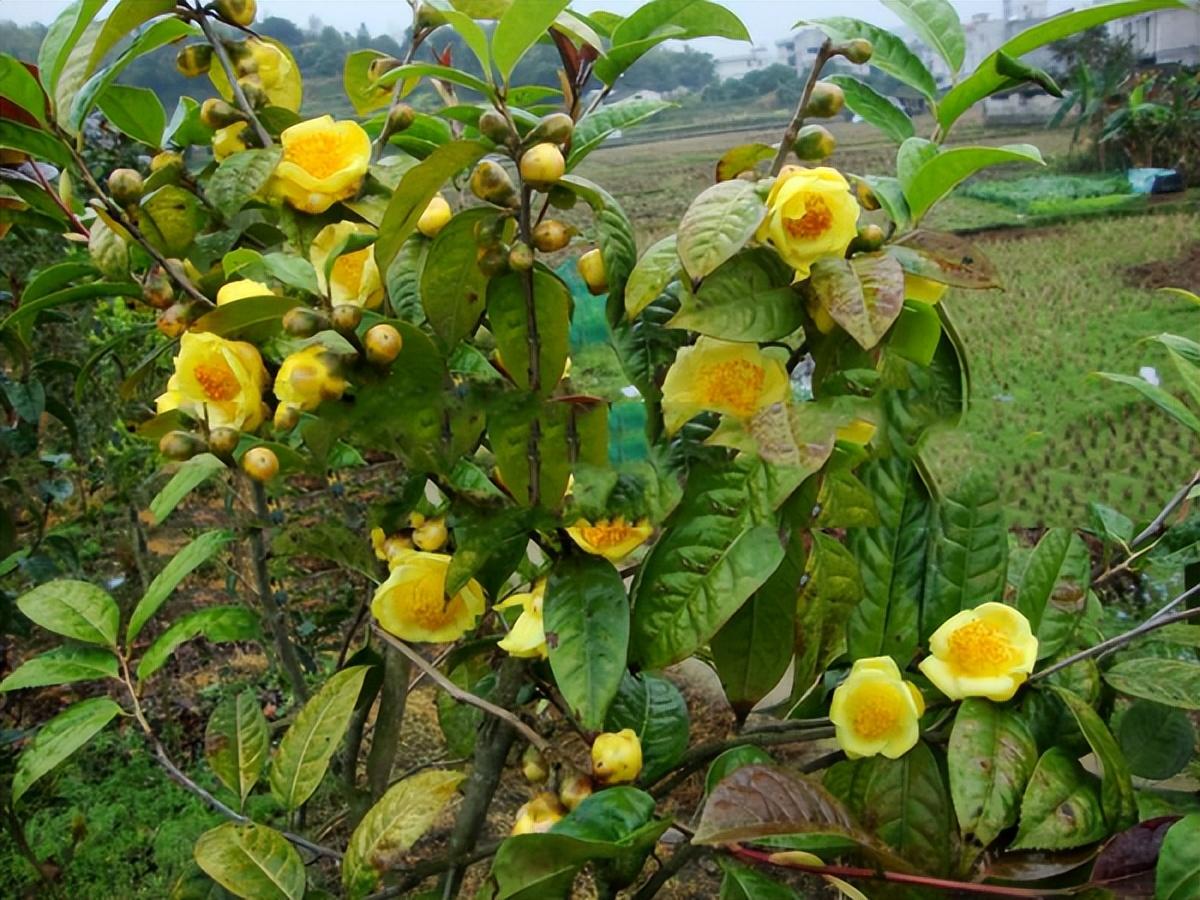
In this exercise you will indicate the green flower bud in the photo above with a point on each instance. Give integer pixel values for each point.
(814, 142)
(827, 100)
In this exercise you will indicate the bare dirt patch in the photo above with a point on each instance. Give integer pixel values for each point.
(1179, 271)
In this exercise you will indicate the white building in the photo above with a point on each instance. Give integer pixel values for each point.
(757, 57)
(1162, 37)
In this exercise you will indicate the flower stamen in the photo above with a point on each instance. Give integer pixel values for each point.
(735, 384)
(981, 650)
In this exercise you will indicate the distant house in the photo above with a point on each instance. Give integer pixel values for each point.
(757, 57)
(1162, 37)
(800, 48)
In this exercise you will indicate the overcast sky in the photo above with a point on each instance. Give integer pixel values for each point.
(767, 20)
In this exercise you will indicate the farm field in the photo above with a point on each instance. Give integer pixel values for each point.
(1079, 295)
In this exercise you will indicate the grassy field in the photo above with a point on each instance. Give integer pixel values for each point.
(1057, 436)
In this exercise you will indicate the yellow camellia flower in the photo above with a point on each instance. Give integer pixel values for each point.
(721, 376)
(389, 548)
(538, 815)
(355, 276)
(323, 162)
(616, 757)
(412, 603)
(229, 140)
(614, 539)
(274, 72)
(810, 214)
(987, 651)
(875, 710)
(305, 379)
(527, 638)
(240, 290)
(923, 289)
(217, 380)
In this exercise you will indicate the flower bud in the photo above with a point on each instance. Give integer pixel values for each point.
(492, 260)
(491, 183)
(616, 757)
(538, 815)
(857, 51)
(520, 257)
(542, 165)
(194, 59)
(814, 142)
(428, 16)
(261, 463)
(494, 127)
(174, 320)
(168, 159)
(126, 186)
(533, 765)
(245, 66)
(870, 238)
(435, 216)
(591, 268)
(381, 65)
(551, 235)
(156, 288)
(382, 343)
(237, 12)
(573, 789)
(286, 417)
(216, 113)
(399, 118)
(346, 318)
(303, 321)
(255, 94)
(431, 535)
(180, 445)
(223, 441)
(866, 197)
(556, 128)
(827, 100)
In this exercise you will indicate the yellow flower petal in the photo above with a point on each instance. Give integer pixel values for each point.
(229, 140)
(874, 711)
(240, 290)
(412, 603)
(810, 214)
(355, 276)
(323, 162)
(305, 379)
(923, 289)
(614, 539)
(987, 651)
(731, 378)
(217, 380)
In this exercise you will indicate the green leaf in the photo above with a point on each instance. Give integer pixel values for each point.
(452, 287)
(364, 95)
(331, 540)
(432, 70)
(37, 143)
(237, 742)
(587, 631)
(1168, 403)
(864, 294)
(753, 650)
(1061, 806)
(255, 314)
(749, 298)
(1055, 579)
(292, 271)
(833, 591)
(171, 217)
(658, 266)
(1157, 740)
(59, 738)
(940, 174)
(890, 195)
(655, 709)
(917, 333)
(519, 28)
(743, 883)
(125, 18)
(1116, 788)
(1173, 682)
(393, 825)
(991, 756)
(21, 87)
(944, 258)
(890, 53)
(74, 609)
(185, 128)
(508, 316)
(219, 624)
(969, 551)
(251, 861)
(416, 189)
(309, 744)
(62, 665)
(987, 77)
(717, 225)
(135, 111)
(593, 129)
(24, 316)
(614, 233)
(936, 23)
(892, 561)
(709, 560)
(404, 279)
(875, 108)
(905, 802)
(187, 478)
(239, 177)
(742, 158)
(61, 38)
(183, 563)
(1177, 873)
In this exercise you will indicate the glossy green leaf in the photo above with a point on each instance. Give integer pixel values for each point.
(586, 617)
(23, 317)
(364, 96)
(936, 23)
(183, 563)
(1165, 401)
(743, 883)
(308, 745)
(249, 314)
(134, 111)
(655, 709)
(416, 189)
(1060, 808)
(864, 295)
(452, 287)
(239, 177)
(890, 54)
(74, 609)
(59, 738)
(415, 71)
(519, 28)
(508, 314)
(1157, 740)
(124, 19)
(832, 592)
(659, 20)
(237, 742)
(1173, 682)
(251, 861)
(939, 175)
(60, 40)
(1177, 874)
(170, 218)
(717, 224)
(1053, 584)
(62, 665)
(21, 87)
(875, 108)
(37, 143)
(615, 235)
(917, 333)
(990, 757)
(743, 158)
(393, 825)
(219, 624)
(1116, 788)
(187, 478)
(749, 298)
(892, 560)
(656, 268)
(710, 559)
(593, 129)
(292, 271)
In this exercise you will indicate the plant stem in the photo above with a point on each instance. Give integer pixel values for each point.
(414, 875)
(239, 96)
(78, 226)
(274, 614)
(793, 129)
(388, 721)
(1158, 620)
(1144, 541)
(669, 870)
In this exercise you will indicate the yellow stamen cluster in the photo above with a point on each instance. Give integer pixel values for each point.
(736, 384)
(877, 712)
(606, 534)
(816, 220)
(980, 649)
(320, 153)
(217, 380)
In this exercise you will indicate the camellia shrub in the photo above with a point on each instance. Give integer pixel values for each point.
(402, 285)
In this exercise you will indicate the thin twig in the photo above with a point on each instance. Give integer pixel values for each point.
(793, 129)
(414, 875)
(239, 95)
(669, 870)
(1150, 534)
(79, 227)
(463, 695)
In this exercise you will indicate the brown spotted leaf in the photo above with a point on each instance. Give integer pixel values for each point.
(864, 294)
(946, 259)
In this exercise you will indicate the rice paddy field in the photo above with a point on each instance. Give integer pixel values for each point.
(1080, 296)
